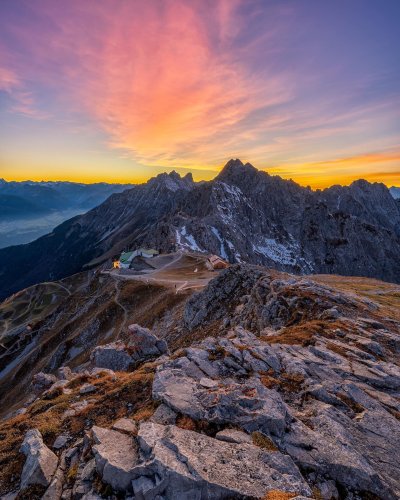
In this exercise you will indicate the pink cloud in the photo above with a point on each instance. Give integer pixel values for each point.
(21, 100)
(157, 76)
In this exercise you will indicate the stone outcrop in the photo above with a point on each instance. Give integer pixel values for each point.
(143, 344)
(112, 356)
(313, 369)
(42, 381)
(326, 412)
(41, 462)
(247, 404)
(116, 455)
(120, 356)
(184, 465)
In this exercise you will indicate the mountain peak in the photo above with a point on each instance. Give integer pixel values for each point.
(173, 181)
(235, 170)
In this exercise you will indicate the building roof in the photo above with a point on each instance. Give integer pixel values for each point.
(126, 257)
(215, 258)
(149, 251)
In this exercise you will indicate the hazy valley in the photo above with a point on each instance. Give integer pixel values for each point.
(29, 209)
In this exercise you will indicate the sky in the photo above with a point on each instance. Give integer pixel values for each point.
(121, 90)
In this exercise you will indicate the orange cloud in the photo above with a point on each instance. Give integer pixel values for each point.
(319, 174)
(163, 91)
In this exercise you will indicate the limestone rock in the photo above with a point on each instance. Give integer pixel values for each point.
(186, 465)
(125, 425)
(144, 344)
(41, 462)
(233, 436)
(116, 456)
(42, 381)
(61, 441)
(249, 404)
(118, 356)
(55, 489)
(164, 415)
(89, 470)
(112, 356)
(87, 389)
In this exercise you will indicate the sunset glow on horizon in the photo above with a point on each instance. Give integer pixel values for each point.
(119, 91)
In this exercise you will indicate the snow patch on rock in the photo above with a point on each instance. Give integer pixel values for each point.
(185, 240)
(217, 234)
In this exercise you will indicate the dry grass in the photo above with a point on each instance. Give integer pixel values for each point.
(187, 423)
(111, 402)
(72, 472)
(338, 349)
(301, 334)
(317, 493)
(269, 381)
(145, 412)
(78, 381)
(218, 353)
(200, 426)
(279, 495)
(385, 295)
(263, 441)
(353, 405)
(286, 382)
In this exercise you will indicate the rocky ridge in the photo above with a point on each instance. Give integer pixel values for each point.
(288, 388)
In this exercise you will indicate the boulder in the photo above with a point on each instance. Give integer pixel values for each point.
(41, 462)
(185, 465)
(249, 404)
(118, 356)
(164, 415)
(116, 456)
(125, 425)
(144, 344)
(329, 450)
(61, 441)
(112, 356)
(42, 381)
(88, 472)
(233, 436)
(55, 489)
(87, 389)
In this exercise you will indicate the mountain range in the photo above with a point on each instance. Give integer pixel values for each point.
(242, 215)
(28, 198)
(30, 209)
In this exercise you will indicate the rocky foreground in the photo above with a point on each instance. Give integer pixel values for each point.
(268, 386)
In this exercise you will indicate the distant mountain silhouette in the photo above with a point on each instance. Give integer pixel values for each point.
(48, 196)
